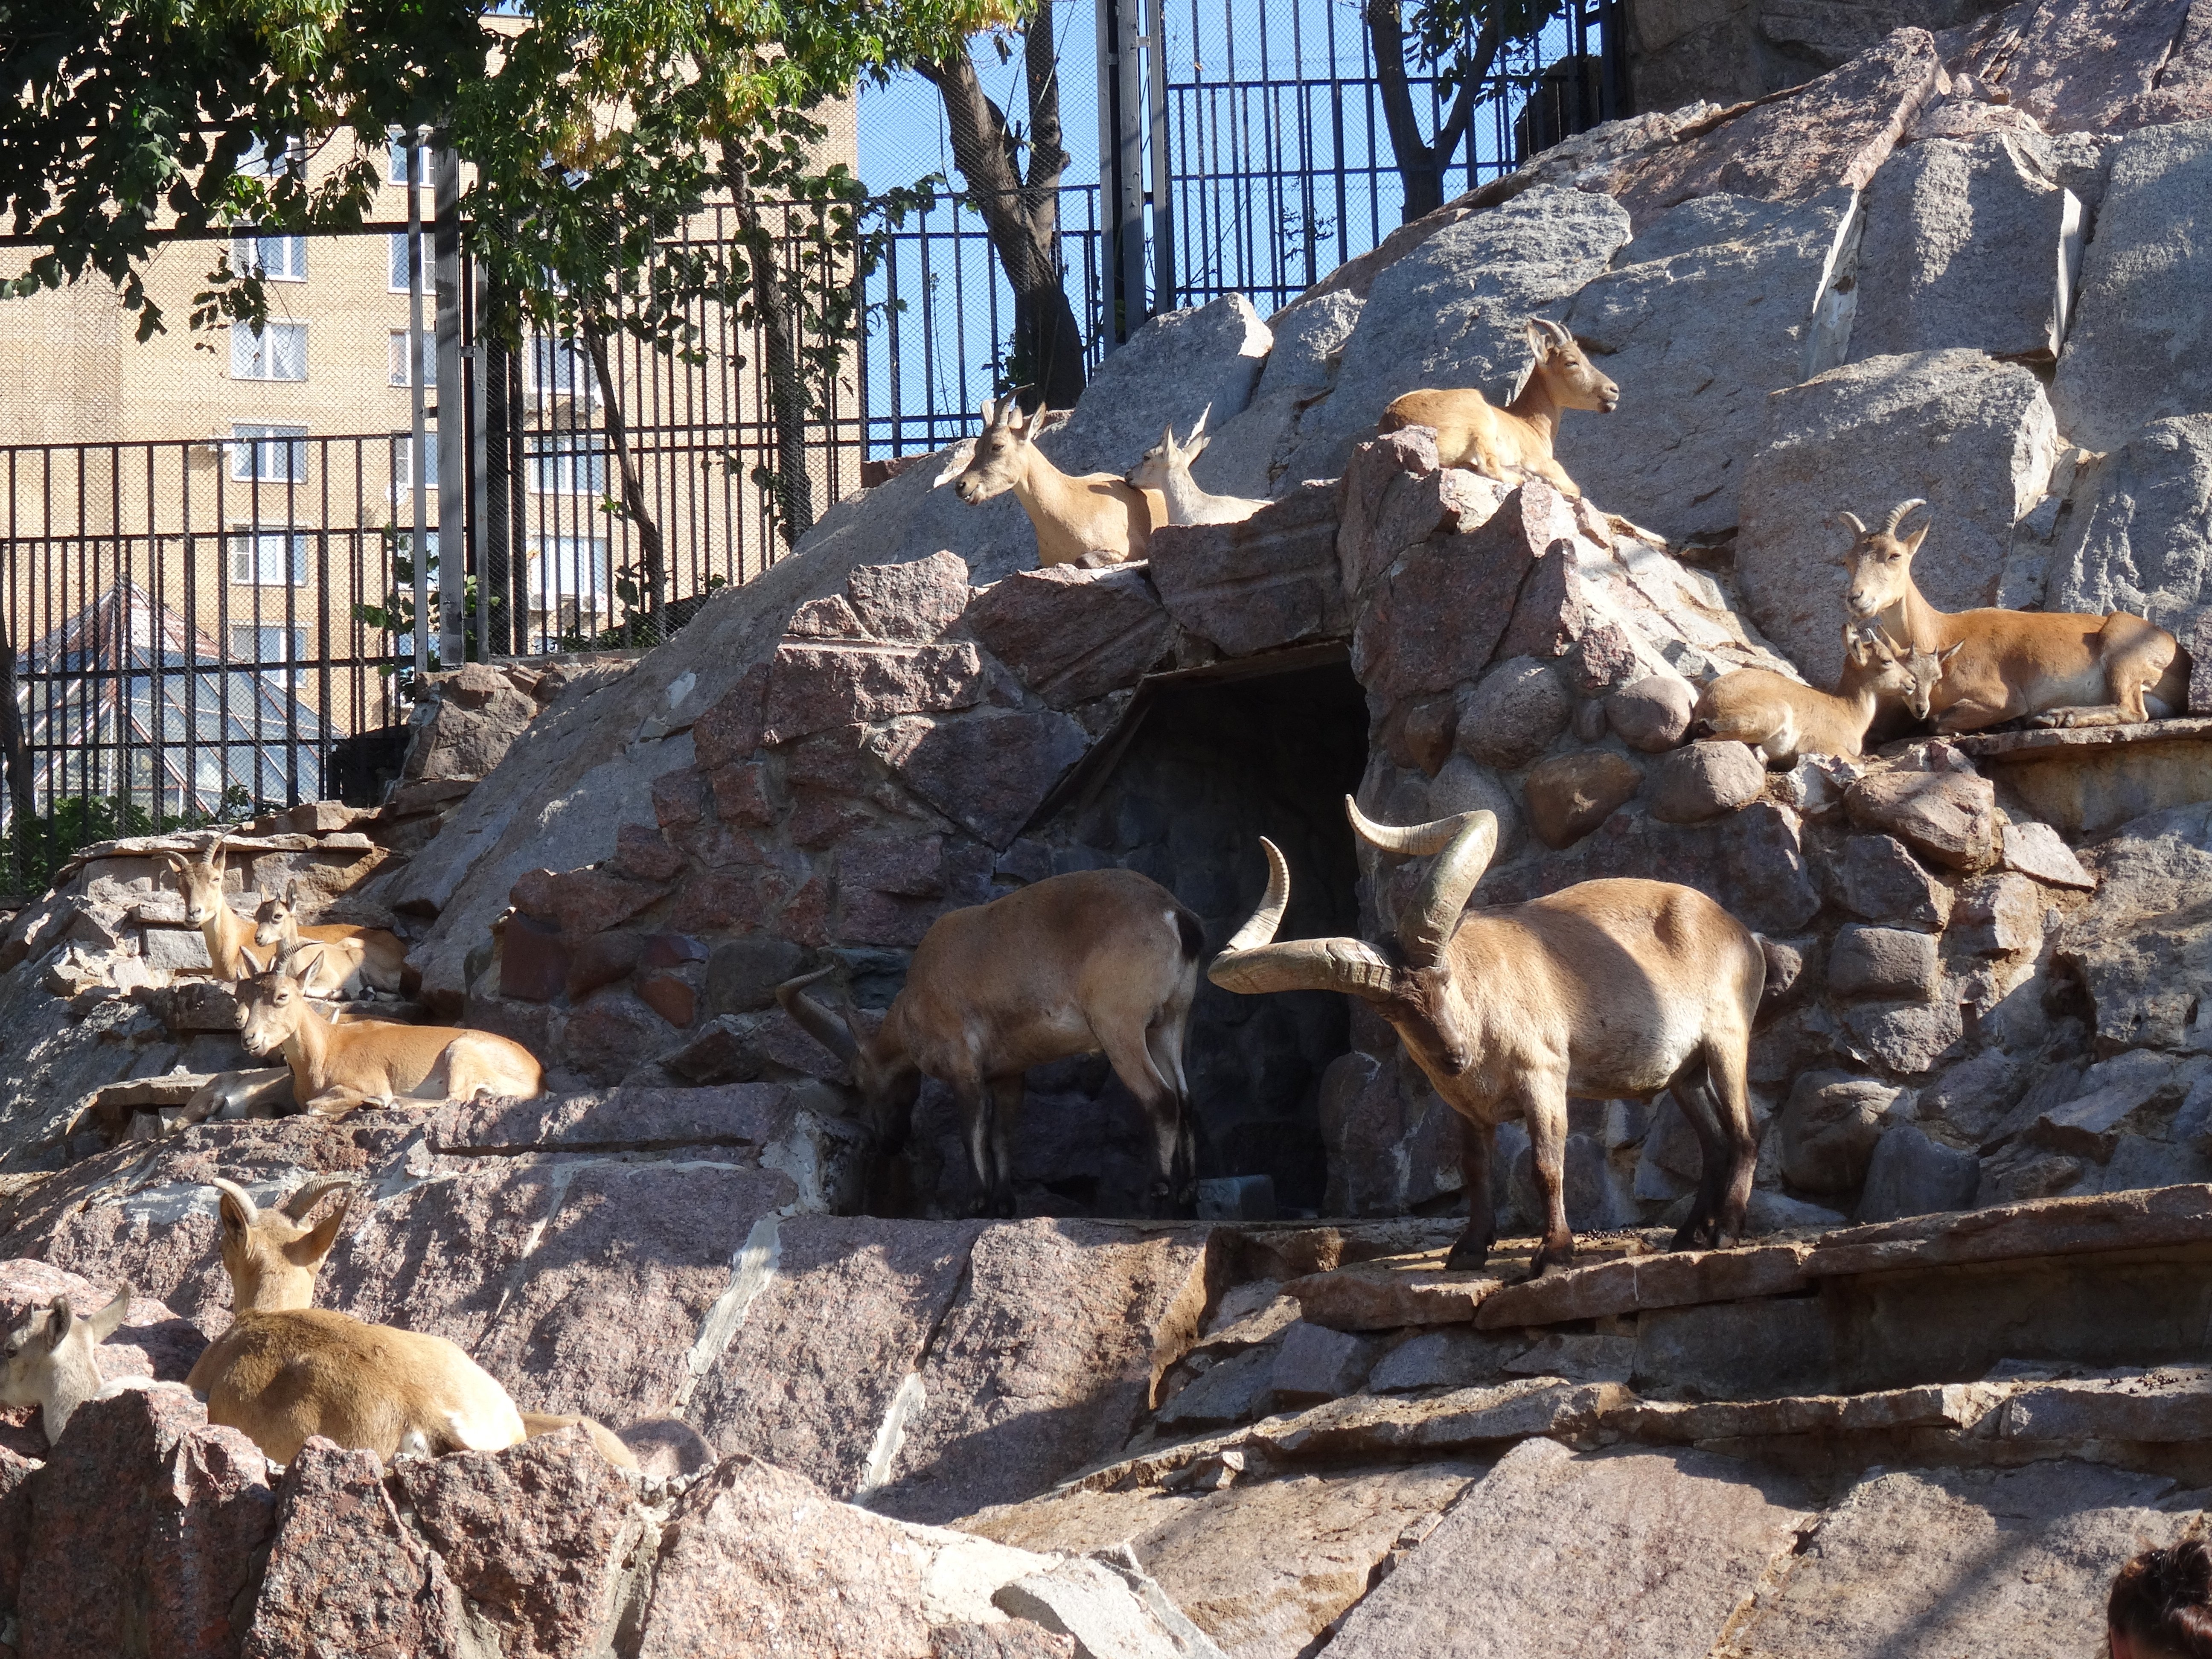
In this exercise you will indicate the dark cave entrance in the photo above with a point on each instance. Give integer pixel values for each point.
(1202, 765)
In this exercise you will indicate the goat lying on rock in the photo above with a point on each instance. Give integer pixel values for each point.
(1783, 719)
(1094, 519)
(2055, 668)
(1612, 989)
(1164, 469)
(1090, 960)
(1508, 443)
(336, 1067)
(50, 1361)
(353, 961)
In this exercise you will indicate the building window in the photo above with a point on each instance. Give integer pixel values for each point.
(403, 459)
(280, 258)
(267, 648)
(273, 454)
(268, 558)
(278, 352)
(566, 567)
(568, 463)
(258, 161)
(399, 357)
(396, 277)
(559, 368)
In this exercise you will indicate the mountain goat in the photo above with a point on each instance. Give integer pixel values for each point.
(1506, 443)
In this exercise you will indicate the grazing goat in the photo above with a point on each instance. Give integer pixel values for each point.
(2055, 668)
(1095, 519)
(1165, 469)
(1606, 990)
(1783, 719)
(50, 1362)
(354, 960)
(1070, 965)
(227, 932)
(1507, 443)
(361, 1062)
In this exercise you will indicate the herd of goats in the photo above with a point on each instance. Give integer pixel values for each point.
(1608, 989)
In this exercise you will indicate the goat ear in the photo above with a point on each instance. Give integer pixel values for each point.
(61, 1320)
(102, 1324)
(1199, 425)
(1195, 448)
(292, 894)
(1945, 656)
(311, 1247)
(1911, 544)
(990, 413)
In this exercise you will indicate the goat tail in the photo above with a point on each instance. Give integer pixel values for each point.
(1192, 933)
(1784, 967)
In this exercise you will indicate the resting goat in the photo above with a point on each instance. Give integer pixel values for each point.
(1783, 719)
(363, 1062)
(353, 962)
(1070, 965)
(1095, 519)
(227, 932)
(1165, 469)
(1507, 443)
(2055, 668)
(50, 1361)
(1606, 990)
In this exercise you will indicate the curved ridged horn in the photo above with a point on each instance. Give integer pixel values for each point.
(1850, 522)
(818, 1023)
(1261, 928)
(1897, 515)
(297, 1207)
(1413, 840)
(1433, 917)
(239, 1196)
(1350, 965)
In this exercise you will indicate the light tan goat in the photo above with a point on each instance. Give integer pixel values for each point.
(228, 935)
(1093, 519)
(1509, 443)
(362, 1062)
(2055, 668)
(272, 1259)
(1096, 959)
(1164, 469)
(353, 962)
(1784, 719)
(50, 1361)
(1606, 990)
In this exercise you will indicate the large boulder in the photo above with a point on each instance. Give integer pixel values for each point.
(2145, 544)
(2141, 343)
(1972, 437)
(2104, 68)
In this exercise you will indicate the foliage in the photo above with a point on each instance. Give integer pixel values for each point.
(1459, 40)
(396, 615)
(41, 846)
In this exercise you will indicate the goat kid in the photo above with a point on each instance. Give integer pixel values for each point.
(1164, 469)
(1784, 720)
(1094, 519)
(353, 962)
(1610, 989)
(227, 934)
(1070, 965)
(2055, 668)
(50, 1361)
(1509, 443)
(336, 1067)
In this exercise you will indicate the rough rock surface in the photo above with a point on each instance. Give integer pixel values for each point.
(2145, 544)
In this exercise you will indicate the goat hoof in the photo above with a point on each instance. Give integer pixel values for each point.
(1467, 1258)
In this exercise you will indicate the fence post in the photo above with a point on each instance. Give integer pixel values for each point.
(453, 527)
(418, 449)
(1110, 286)
(1165, 297)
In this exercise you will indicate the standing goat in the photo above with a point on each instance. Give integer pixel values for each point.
(353, 962)
(1507, 443)
(2055, 668)
(1612, 989)
(1093, 519)
(366, 1062)
(50, 1361)
(1090, 960)
(1783, 719)
(1164, 469)
(227, 932)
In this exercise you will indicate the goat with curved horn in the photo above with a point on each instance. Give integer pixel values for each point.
(833, 1032)
(1615, 989)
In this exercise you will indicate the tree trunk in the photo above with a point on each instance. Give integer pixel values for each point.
(653, 561)
(1421, 164)
(787, 388)
(1023, 215)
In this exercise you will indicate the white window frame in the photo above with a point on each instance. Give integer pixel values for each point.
(403, 462)
(251, 251)
(285, 665)
(254, 354)
(265, 558)
(395, 262)
(569, 553)
(255, 448)
(396, 359)
(568, 464)
(570, 363)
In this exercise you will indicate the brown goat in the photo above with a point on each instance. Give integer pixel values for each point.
(1091, 519)
(1610, 989)
(1070, 965)
(227, 934)
(356, 960)
(336, 1067)
(1782, 719)
(1509, 443)
(2055, 668)
(49, 1361)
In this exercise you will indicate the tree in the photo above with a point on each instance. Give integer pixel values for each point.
(1019, 208)
(1461, 40)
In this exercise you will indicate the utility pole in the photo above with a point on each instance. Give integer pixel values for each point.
(453, 525)
(419, 456)
(1121, 168)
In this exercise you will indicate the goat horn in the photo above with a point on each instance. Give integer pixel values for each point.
(1897, 515)
(1433, 917)
(239, 1196)
(1412, 839)
(1350, 965)
(1850, 522)
(297, 1207)
(817, 1021)
(1260, 929)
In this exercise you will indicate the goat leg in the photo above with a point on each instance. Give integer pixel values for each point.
(974, 1098)
(1544, 1103)
(1478, 1143)
(1700, 1229)
(1004, 1107)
